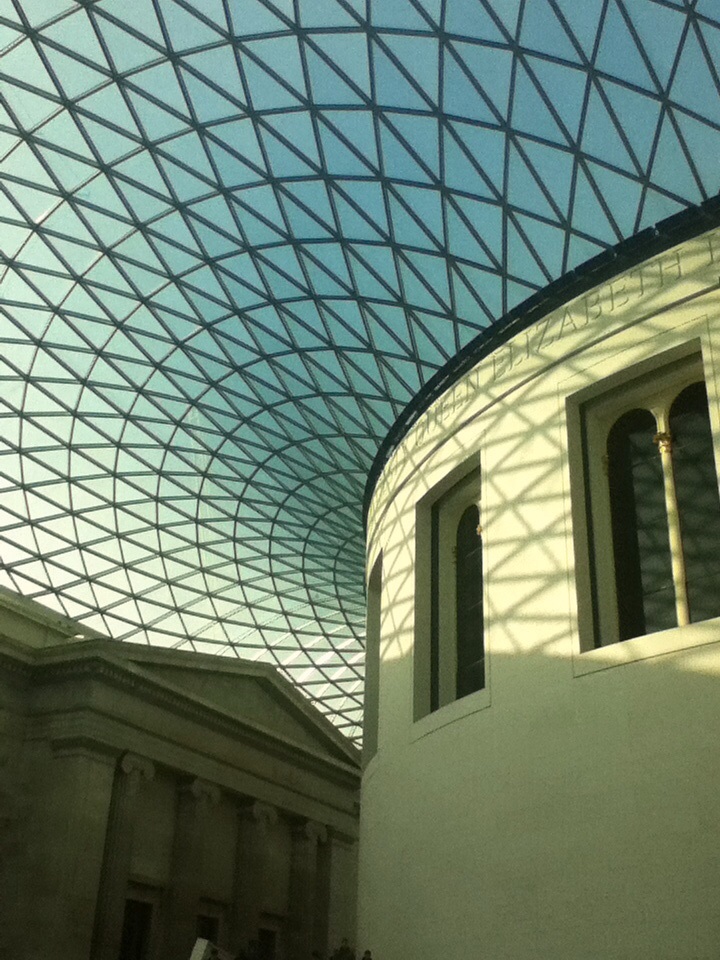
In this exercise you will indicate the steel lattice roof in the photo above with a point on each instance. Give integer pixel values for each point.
(239, 235)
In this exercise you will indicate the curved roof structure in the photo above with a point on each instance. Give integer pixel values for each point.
(237, 237)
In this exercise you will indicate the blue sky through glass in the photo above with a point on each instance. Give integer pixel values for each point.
(238, 236)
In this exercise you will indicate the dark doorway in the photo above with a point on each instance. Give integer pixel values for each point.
(137, 922)
(267, 939)
(208, 928)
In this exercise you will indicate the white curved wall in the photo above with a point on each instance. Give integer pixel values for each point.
(570, 809)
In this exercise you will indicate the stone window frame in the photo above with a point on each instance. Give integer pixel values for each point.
(434, 650)
(689, 341)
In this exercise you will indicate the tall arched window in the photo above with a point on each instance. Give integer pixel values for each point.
(698, 500)
(449, 656)
(470, 651)
(653, 520)
(643, 566)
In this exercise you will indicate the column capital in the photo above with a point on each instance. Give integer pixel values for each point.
(310, 830)
(263, 813)
(136, 767)
(203, 792)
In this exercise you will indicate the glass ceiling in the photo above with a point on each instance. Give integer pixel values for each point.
(238, 235)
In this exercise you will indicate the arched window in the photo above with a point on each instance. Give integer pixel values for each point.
(698, 500)
(653, 505)
(470, 665)
(449, 655)
(641, 548)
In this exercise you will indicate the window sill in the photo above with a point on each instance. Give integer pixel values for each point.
(450, 713)
(644, 648)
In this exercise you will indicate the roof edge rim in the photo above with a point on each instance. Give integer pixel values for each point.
(685, 225)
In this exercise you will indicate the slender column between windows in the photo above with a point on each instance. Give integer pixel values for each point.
(663, 439)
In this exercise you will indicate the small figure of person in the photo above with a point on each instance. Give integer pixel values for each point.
(344, 951)
(367, 955)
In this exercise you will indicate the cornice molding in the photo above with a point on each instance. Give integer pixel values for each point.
(95, 666)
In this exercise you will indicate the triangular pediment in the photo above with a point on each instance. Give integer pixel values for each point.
(254, 694)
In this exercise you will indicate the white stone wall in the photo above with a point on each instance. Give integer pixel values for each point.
(570, 809)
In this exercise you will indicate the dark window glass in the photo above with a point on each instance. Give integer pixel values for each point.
(435, 607)
(643, 568)
(207, 928)
(696, 489)
(469, 604)
(135, 940)
(267, 944)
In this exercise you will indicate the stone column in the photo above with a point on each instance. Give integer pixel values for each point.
(194, 803)
(254, 824)
(302, 926)
(323, 891)
(68, 801)
(130, 773)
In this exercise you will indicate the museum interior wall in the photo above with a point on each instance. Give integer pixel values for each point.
(541, 772)
(151, 796)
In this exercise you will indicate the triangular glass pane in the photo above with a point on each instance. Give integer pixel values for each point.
(328, 84)
(127, 51)
(469, 18)
(349, 54)
(658, 206)
(184, 29)
(240, 137)
(670, 169)
(325, 13)
(392, 89)
(397, 161)
(25, 62)
(188, 150)
(422, 136)
(419, 57)
(660, 29)
(366, 199)
(265, 92)
(161, 83)
(588, 215)
(108, 106)
(250, 17)
(143, 12)
(565, 88)
(554, 168)
(432, 271)
(694, 86)
(638, 116)
(157, 123)
(703, 143)
(622, 193)
(29, 108)
(583, 19)
(619, 54)
(62, 131)
(397, 13)
(531, 111)
(461, 96)
(427, 205)
(523, 259)
(600, 135)
(74, 78)
(282, 55)
(542, 31)
(76, 34)
(462, 243)
(526, 191)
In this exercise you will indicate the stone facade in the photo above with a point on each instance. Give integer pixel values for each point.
(153, 795)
